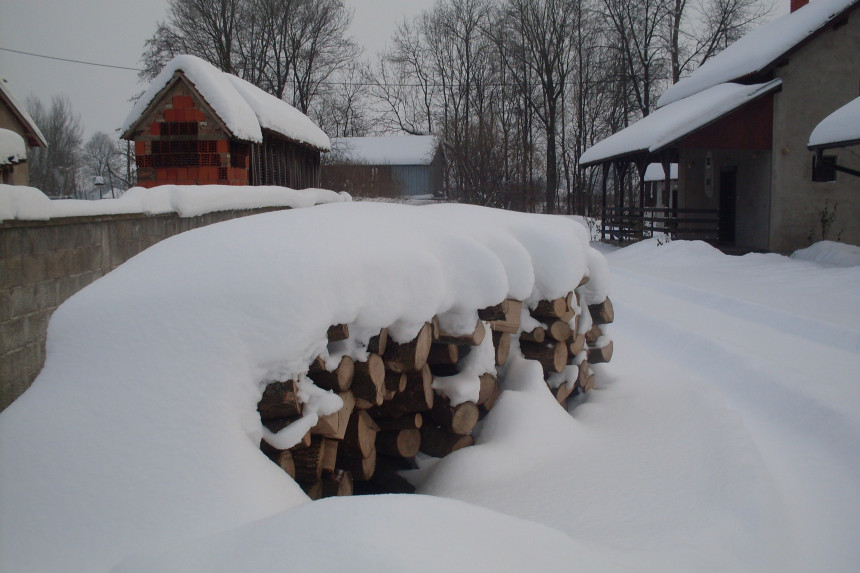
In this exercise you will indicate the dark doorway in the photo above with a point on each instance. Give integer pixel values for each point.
(728, 200)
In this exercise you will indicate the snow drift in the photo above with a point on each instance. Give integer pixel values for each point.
(142, 430)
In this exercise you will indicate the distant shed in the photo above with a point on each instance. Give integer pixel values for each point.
(196, 125)
(397, 165)
(18, 132)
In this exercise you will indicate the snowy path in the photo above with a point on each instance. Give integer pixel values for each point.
(723, 435)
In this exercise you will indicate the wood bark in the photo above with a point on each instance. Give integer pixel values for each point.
(337, 483)
(386, 479)
(337, 332)
(488, 394)
(309, 460)
(340, 379)
(410, 355)
(459, 419)
(282, 458)
(511, 322)
(502, 345)
(416, 397)
(438, 443)
(553, 357)
(443, 354)
(537, 335)
(593, 334)
(279, 400)
(578, 345)
(602, 313)
(599, 355)
(404, 422)
(360, 436)
(368, 383)
(361, 468)
(378, 343)
(402, 443)
(555, 308)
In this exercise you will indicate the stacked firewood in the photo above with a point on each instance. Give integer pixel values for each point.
(390, 408)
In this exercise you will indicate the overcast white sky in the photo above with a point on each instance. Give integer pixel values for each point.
(113, 32)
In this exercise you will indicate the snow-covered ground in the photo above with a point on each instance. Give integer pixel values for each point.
(723, 436)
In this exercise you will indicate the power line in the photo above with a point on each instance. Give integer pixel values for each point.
(70, 60)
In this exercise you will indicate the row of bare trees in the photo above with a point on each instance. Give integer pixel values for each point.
(70, 167)
(518, 89)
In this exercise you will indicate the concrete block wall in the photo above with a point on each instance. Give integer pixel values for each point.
(42, 263)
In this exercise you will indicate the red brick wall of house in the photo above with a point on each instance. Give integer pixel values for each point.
(179, 143)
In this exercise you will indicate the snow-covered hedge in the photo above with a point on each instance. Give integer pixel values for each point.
(142, 428)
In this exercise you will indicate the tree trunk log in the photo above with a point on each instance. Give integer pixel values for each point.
(368, 383)
(555, 308)
(559, 330)
(593, 334)
(361, 468)
(439, 443)
(404, 422)
(410, 355)
(417, 397)
(511, 322)
(445, 354)
(502, 344)
(283, 458)
(334, 425)
(553, 357)
(279, 401)
(386, 479)
(337, 483)
(537, 335)
(602, 313)
(401, 443)
(460, 419)
(599, 355)
(339, 380)
(578, 345)
(309, 460)
(337, 332)
(378, 343)
(360, 436)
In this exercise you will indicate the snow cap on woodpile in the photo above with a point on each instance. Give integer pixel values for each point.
(243, 108)
(13, 148)
(759, 49)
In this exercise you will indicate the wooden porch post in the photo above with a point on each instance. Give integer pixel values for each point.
(605, 167)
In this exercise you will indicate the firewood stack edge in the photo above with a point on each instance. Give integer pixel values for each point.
(392, 409)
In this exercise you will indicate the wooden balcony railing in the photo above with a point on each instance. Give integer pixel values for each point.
(635, 223)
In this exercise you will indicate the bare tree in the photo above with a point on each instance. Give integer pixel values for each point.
(55, 169)
(105, 157)
(342, 110)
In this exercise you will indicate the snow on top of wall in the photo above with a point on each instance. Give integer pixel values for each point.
(148, 395)
(758, 49)
(670, 123)
(28, 203)
(655, 172)
(387, 150)
(243, 108)
(20, 109)
(13, 148)
(830, 253)
(841, 126)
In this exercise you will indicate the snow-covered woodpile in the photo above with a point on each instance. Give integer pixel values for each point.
(412, 397)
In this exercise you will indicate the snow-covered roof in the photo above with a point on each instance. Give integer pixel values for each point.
(759, 49)
(840, 128)
(13, 148)
(37, 138)
(672, 122)
(387, 150)
(243, 108)
(655, 172)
